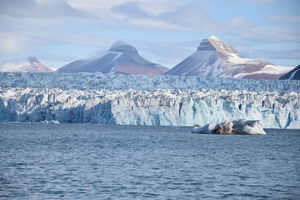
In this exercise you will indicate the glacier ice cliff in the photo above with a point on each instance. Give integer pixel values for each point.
(147, 100)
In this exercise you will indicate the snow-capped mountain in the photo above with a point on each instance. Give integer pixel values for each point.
(31, 64)
(120, 58)
(216, 58)
(292, 75)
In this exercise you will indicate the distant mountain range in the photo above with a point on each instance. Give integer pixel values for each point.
(213, 58)
(32, 64)
(120, 58)
(216, 58)
(292, 75)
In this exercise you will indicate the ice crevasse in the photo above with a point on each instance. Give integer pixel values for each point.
(146, 100)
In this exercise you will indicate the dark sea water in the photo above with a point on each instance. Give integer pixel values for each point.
(76, 161)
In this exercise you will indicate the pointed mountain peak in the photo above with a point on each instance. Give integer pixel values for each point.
(215, 44)
(216, 58)
(33, 60)
(205, 45)
(121, 46)
(213, 37)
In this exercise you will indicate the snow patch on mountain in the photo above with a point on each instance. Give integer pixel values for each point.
(293, 74)
(268, 69)
(237, 60)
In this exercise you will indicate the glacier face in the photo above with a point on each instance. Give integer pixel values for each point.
(100, 81)
(146, 100)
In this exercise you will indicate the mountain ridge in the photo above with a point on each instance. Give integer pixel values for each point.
(31, 64)
(292, 75)
(216, 58)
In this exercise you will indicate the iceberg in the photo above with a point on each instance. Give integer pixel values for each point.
(206, 129)
(237, 127)
(50, 122)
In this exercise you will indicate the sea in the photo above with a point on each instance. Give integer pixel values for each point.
(86, 161)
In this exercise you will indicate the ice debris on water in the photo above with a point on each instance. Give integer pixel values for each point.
(240, 127)
(50, 122)
(146, 100)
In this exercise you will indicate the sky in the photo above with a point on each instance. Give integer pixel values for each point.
(58, 32)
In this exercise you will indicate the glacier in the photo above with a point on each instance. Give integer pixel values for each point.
(146, 100)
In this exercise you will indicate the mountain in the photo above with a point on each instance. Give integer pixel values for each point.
(31, 64)
(121, 58)
(216, 58)
(292, 75)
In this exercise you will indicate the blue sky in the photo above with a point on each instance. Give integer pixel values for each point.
(58, 32)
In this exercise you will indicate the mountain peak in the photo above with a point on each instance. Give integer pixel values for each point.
(222, 47)
(215, 44)
(33, 59)
(121, 46)
(216, 58)
(213, 37)
(205, 45)
(121, 58)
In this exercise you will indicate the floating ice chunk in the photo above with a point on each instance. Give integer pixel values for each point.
(207, 129)
(237, 127)
(223, 128)
(248, 127)
(50, 122)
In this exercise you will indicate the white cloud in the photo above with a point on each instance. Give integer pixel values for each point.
(39, 9)
(239, 26)
(261, 1)
(13, 43)
(25, 35)
(58, 57)
(194, 16)
(13, 64)
(188, 17)
(156, 8)
(102, 8)
(285, 19)
(165, 53)
(197, 17)
(150, 25)
(252, 1)
(271, 53)
(130, 10)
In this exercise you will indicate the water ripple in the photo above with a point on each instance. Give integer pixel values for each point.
(71, 161)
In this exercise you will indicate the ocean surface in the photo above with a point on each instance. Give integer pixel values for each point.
(82, 161)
